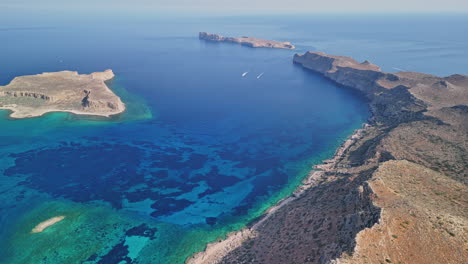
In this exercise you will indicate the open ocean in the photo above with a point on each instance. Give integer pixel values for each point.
(202, 150)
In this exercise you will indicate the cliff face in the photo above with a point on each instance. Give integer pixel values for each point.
(66, 91)
(210, 36)
(345, 71)
(246, 41)
(434, 91)
(394, 193)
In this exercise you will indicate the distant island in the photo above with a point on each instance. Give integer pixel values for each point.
(247, 41)
(65, 91)
(396, 186)
(47, 223)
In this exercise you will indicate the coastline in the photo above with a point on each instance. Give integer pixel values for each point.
(41, 114)
(215, 251)
(412, 114)
(415, 117)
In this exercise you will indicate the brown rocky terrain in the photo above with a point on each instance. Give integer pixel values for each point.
(394, 193)
(423, 218)
(247, 41)
(65, 91)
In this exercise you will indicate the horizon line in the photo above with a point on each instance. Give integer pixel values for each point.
(223, 12)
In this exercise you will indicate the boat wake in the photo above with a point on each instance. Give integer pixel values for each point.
(398, 69)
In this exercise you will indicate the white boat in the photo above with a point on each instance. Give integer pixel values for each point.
(244, 74)
(260, 76)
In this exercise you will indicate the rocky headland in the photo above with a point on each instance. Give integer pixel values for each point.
(246, 41)
(65, 91)
(395, 192)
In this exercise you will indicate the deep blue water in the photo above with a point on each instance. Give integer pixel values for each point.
(202, 150)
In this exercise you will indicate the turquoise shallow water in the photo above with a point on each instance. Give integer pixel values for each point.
(200, 152)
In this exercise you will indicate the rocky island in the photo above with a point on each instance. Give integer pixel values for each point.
(247, 41)
(65, 91)
(395, 192)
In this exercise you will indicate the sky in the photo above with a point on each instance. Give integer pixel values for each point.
(226, 6)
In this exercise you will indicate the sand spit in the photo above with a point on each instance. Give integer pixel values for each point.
(47, 223)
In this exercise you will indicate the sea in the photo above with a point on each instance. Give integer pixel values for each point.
(214, 133)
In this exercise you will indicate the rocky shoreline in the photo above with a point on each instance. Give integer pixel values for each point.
(417, 128)
(217, 250)
(65, 91)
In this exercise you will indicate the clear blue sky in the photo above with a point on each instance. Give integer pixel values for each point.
(309, 6)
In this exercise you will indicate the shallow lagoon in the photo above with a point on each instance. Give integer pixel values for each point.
(201, 152)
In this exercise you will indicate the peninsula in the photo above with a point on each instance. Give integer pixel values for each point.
(247, 41)
(395, 192)
(65, 91)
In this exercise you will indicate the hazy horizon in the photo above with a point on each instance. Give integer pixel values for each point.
(246, 6)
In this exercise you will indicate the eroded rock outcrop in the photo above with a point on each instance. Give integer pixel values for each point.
(247, 41)
(66, 91)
